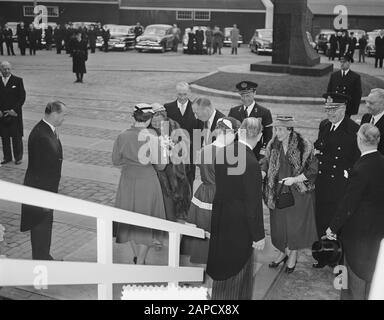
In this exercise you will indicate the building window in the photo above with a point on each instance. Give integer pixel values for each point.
(53, 11)
(184, 15)
(203, 15)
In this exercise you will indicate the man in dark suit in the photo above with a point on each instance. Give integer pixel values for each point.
(45, 157)
(375, 106)
(237, 225)
(12, 98)
(199, 40)
(360, 216)
(58, 36)
(22, 38)
(347, 82)
(8, 39)
(181, 111)
(379, 54)
(337, 152)
(250, 108)
(208, 115)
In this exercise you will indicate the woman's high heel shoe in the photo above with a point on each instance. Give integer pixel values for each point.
(290, 270)
(274, 264)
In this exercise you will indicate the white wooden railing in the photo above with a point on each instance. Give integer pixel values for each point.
(104, 273)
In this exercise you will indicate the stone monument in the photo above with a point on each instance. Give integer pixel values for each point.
(292, 52)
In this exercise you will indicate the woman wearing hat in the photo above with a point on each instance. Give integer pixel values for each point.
(201, 205)
(290, 159)
(174, 183)
(139, 188)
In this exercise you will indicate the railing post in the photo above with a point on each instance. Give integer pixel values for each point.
(104, 255)
(174, 252)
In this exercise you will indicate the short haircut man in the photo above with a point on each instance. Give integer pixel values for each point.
(369, 135)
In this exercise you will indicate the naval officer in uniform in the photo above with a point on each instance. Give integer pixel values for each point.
(250, 108)
(337, 152)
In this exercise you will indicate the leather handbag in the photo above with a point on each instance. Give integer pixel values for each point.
(284, 199)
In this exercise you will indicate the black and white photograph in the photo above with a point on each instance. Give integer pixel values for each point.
(207, 152)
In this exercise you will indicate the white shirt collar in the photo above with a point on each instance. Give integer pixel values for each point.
(336, 125)
(250, 107)
(5, 79)
(51, 126)
(377, 117)
(246, 143)
(345, 72)
(210, 120)
(368, 152)
(184, 106)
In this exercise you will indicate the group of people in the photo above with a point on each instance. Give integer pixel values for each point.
(212, 38)
(342, 44)
(27, 37)
(332, 187)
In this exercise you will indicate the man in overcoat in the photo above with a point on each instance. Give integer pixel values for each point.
(12, 98)
(181, 111)
(250, 108)
(347, 82)
(337, 152)
(360, 216)
(45, 157)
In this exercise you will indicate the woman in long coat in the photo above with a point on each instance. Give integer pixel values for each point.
(139, 188)
(79, 51)
(201, 206)
(235, 33)
(290, 158)
(173, 179)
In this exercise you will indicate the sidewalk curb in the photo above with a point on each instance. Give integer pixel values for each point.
(273, 99)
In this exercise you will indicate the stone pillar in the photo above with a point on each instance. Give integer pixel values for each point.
(290, 44)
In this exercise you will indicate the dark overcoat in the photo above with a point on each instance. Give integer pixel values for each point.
(79, 51)
(338, 152)
(349, 85)
(237, 214)
(45, 157)
(360, 216)
(12, 96)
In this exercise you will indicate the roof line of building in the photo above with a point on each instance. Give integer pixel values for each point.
(191, 9)
(115, 2)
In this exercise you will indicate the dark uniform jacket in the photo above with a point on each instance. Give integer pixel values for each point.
(79, 52)
(22, 37)
(258, 111)
(8, 35)
(349, 85)
(237, 214)
(380, 125)
(338, 153)
(45, 156)
(361, 216)
(12, 97)
(379, 45)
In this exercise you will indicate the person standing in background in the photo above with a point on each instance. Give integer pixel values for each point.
(22, 38)
(8, 39)
(362, 46)
(235, 33)
(379, 44)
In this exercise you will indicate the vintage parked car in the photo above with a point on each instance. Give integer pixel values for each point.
(370, 50)
(157, 37)
(227, 37)
(122, 37)
(76, 25)
(186, 37)
(322, 40)
(261, 41)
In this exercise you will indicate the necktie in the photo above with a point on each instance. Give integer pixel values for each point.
(182, 109)
(56, 134)
(332, 128)
(206, 125)
(373, 120)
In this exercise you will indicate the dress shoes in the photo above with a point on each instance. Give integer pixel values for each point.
(17, 162)
(274, 264)
(5, 161)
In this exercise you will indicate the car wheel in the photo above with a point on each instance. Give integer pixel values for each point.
(139, 50)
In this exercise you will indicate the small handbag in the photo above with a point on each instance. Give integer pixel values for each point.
(284, 199)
